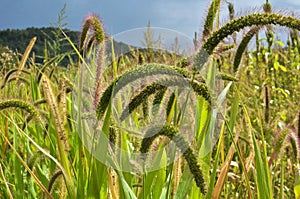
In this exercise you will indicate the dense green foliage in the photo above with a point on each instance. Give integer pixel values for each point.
(17, 40)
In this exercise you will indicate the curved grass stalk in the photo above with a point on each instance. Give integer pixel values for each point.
(40, 101)
(53, 179)
(15, 103)
(200, 88)
(132, 75)
(46, 65)
(238, 24)
(33, 160)
(21, 79)
(10, 73)
(173, 134)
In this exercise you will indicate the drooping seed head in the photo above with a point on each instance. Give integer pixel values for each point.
(173, 134)
(91, 23)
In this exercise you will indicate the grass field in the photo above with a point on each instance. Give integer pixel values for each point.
(221, 123)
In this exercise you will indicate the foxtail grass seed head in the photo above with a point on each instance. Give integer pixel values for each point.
(99, 73)
(293, 138)
(54, 178)
(129, 76)
(243, 45)
(11, 76)
(158, 98)
(55, 112)
(286, 134)
(210, 18)
(15, 103)
(173, 134)
(227, 77)
(141, 98)
(93, 23)
(238, 24)
(113, 135)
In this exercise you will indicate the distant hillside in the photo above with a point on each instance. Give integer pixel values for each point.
(17, 40)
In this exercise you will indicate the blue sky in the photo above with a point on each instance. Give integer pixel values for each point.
(185, 16)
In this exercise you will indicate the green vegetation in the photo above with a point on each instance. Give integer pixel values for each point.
(46, 37)
(70, 129)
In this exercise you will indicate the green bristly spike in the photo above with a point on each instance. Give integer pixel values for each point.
(210, 18)
(15, 103)
(227, 77)
(237, 25)
(91, 22)
(158, 98)
(173, 134)
(140, 98)
(199, 88)
(11, 74)
(139, 72)
(243, 45)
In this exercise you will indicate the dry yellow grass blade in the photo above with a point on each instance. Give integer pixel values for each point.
(224, 171)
